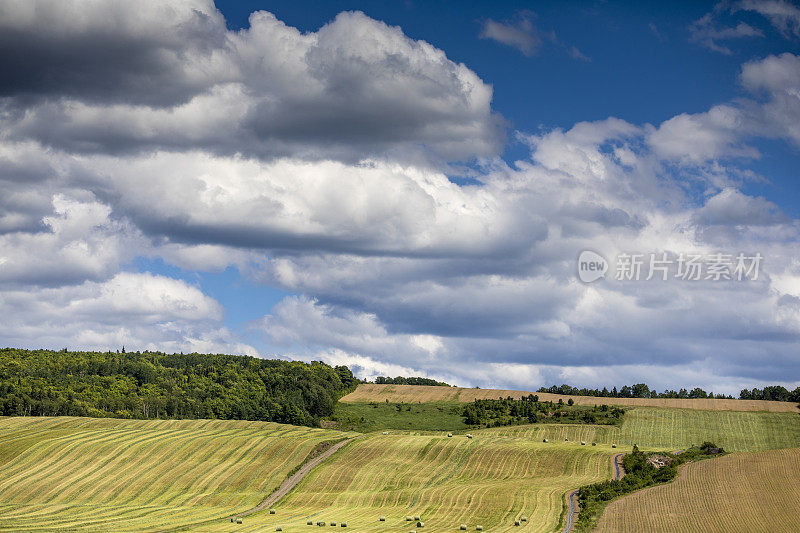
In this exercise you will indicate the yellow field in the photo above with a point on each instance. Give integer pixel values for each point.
(125, 475)
(738, 493)
(674, 429)
(368, 392)
(488, 480)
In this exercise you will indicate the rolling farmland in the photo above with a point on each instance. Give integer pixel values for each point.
(489, 480)
(656, 428)
(736, 493)
(370, 392)
(84, 473)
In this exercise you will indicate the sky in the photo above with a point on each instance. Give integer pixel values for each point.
(494, 194)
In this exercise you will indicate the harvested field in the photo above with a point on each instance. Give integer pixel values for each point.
(489, 480)
(738, 493)
(137, 475)
(673, 429)
(368, 392)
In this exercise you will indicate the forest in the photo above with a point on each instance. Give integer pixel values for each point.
(158, 385)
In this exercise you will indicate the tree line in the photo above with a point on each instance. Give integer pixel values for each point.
(529, 410)
(638, 390)
(639, 473)
(159, 385)
(399, 380)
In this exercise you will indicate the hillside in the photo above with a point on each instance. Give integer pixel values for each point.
(370, 392)
(734, 494)
(136, 475)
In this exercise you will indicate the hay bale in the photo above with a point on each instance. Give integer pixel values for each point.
(344, 524)
(309, 522)
(333, 524)
(566, 438)
(469, 436)
(613, 445)
(463, 527)
(238, 520)
(320, 523)
(478, 528)
(583, 443)
(409, 518)
(449, 434)
(523, 519)
(420, 524)
(594, 444)
(516, 522)
(417, 517)
(272, 511)
(544, 440)
(279, 528)
(382, 519)
(385, 433)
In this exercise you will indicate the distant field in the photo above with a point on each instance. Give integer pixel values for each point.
(376, 416)
(135, 475)
(488, 480)
(738, 493)
(656, 428)
(419, 393)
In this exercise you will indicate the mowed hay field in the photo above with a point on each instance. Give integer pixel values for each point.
(675, 429)
(489, 480)
(136, 475)
(738, 493)
(370, 392)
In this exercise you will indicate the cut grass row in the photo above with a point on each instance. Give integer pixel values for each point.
(744, 493)
(370, 392)
(81, 473)
(654, 428)
(489, 480)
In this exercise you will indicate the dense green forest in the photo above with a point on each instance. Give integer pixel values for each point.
(529, 410)
(639, 473)
(158, 385)
(399, 380)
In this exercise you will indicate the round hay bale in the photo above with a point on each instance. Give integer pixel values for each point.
(238, 520)
(478, 528)
(333, 524)
(279, 528)
(566, 438)
(449, 434)
(309, 522)
(385, 433)
(544, 440)
(272, 511)
(344, 524)
(583, 443)
(516, 522)
(523, 519)
(320, 523)
(409, 518)
(382, 519)
(594, 444)
(417, 517)
(463, 527)
(613, 445)
(469, 436)
(420, 524)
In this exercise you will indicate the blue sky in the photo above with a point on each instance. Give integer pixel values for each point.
(405, 187)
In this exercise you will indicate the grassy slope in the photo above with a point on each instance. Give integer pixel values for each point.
(736, 493)
(83, 473)
(418, 393)
(488, 480)
(369, 417)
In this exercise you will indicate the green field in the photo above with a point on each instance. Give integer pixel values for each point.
(657, 428)
(377, 416)
(487, 480)
(130, 475)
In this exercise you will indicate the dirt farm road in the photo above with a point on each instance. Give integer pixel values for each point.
(618, 473)
(291, 482)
